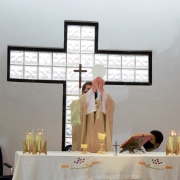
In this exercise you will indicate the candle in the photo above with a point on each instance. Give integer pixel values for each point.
(179, 137)
(172, 138)
(39, 138)
(29, 138)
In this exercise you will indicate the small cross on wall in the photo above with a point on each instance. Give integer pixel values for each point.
(80, 71)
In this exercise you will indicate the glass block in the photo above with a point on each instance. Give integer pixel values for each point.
(105, 76)
(114, 75)
(16, 57)
(45, 59)
(142, 76)
(142, 62)
(73, 46)
(72, 88)
(114, 61)
(30, 72)
(127, 75)
(71, 75)
(59, 59)
(128, 61)
(82, 83)
(87, 60)
(87, 46)
(59, 73)
(68, 116)
(87, 32)
(73, 32)
(16, 72)
(69, 100)
(44, 72)
(73, 59)
(87, 76)
(31, 58)
(68, 130)
(101, 59)
(68, 141)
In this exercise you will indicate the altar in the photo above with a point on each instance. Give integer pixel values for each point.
(76, 166)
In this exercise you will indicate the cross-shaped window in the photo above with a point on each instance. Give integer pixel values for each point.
(50, 65)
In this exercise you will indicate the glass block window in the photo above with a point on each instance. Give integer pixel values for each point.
(81, 47)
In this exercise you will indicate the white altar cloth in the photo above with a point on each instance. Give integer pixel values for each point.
(91, 166)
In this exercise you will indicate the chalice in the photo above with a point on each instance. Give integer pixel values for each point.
(101, 137)
(84, 147)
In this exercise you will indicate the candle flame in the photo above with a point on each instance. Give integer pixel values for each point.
(172, 133)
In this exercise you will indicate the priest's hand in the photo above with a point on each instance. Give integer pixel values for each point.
(101, 85)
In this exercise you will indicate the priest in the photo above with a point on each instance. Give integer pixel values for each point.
(91, 114)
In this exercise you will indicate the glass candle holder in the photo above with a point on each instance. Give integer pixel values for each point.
(172, 141)
(178, 145)
(29, 138)
(39, 139)
(179, 137)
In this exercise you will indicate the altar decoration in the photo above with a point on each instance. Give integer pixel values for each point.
(84, 147)
(173, 146)
(39, 138)
(101, 137)
(29, 138)
(115, 145)
(35, 145)
(178, 145)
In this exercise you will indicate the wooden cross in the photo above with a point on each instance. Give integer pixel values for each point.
(80, 71)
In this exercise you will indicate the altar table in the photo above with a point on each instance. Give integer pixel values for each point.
(92, 166)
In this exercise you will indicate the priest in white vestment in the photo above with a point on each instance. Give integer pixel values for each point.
(90, 116)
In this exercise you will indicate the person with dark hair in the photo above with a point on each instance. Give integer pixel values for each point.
(91, 115)
(154, 142)
(86, 87)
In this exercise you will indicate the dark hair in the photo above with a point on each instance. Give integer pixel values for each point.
(158, 136)
(85, 84)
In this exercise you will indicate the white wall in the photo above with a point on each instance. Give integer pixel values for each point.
(123, 25)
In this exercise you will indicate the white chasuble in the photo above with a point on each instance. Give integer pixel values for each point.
(90, 117)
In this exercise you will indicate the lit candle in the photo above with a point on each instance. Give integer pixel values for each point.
(29, 138)
(179, 137)
(172, 138)
(39, 138)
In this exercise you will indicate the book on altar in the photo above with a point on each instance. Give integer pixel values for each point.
(144, 137)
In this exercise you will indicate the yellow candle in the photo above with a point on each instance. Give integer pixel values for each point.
(29, 136)
(40, 140)
(178, 139)
(29, 139)
(172, 138)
